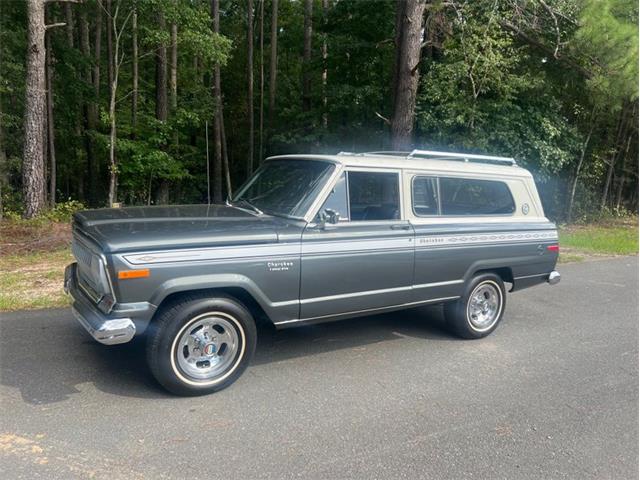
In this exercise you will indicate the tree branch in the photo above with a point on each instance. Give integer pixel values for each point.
(539, 44)
(54, 25)
(557, 27)
(386, 120)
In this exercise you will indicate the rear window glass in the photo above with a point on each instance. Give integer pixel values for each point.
(465, 196)
(425, 196)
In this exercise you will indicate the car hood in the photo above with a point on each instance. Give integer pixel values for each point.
(182, 226)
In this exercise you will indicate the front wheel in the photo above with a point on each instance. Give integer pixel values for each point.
(477, 313)
(200, 345)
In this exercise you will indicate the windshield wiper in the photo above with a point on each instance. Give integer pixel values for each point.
(247, 203)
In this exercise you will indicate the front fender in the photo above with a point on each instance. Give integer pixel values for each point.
(276, 311)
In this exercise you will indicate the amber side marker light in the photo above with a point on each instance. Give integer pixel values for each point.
(553, 248)
(126, 274)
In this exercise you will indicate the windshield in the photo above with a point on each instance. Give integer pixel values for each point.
(284, 187)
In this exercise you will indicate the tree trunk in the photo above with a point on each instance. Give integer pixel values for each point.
(97, 52)
(85, 49)
(407, 72)
(217, 94)
(109, 43)
(397, 41)
(4, 167)
(134, 71)
(250, 84)
(173, 77)
(306, 56)
(161, 74)
(273, 62)
(225, 154)
(68, 15)
(614, 155)
(32, 158)
(113, 54)
(50, 125)
(325, 55)
(574, 184)
(623, 174)
(261, 121)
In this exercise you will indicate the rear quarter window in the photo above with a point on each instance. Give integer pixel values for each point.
(467, 196)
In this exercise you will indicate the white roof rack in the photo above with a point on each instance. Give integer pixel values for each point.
(467, 157)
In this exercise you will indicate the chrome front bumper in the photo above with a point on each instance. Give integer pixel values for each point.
(554, 277)
(109, 331)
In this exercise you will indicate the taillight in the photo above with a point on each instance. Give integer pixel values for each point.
(553, 248)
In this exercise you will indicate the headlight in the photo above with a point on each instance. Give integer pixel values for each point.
(93, 276)
(99, 274)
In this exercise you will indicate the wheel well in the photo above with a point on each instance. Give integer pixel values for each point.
(237, 293)
(504, 273)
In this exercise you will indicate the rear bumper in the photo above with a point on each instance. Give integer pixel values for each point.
(119, 326)
(554, 278)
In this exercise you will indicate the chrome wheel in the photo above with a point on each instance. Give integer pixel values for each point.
(484, 306)
(206, 349)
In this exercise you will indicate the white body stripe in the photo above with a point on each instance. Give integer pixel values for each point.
(476, 238)
(313, 248)
(335, 247)
(214, 253)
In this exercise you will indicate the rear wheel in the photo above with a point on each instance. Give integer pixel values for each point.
(201, 345)
(479, 311)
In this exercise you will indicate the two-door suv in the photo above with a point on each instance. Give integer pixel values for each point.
(310, 238)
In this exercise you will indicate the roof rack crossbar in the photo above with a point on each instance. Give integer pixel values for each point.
(395, 153)
(468, 157)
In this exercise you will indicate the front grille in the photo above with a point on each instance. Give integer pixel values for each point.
(85, 278)
(83, 254)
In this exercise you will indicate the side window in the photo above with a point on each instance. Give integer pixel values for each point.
(337, 199)
(465, 196)
(424, 191)
(373, 196)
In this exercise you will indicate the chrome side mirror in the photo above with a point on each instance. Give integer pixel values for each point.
(329, 217)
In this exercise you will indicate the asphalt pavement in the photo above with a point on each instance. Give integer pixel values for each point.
(553, 393)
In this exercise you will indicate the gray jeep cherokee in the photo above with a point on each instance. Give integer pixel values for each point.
(309, 238)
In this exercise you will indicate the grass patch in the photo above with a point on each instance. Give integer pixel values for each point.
(567, 257)
(33, 280)
(600, 240)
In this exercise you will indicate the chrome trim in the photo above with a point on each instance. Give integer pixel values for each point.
(355, 312)
(108, 332)
(284, 303)
(437, 284)
(461, 156)
(531, 276)
(554, 278)
(364, 293)
(342, 296)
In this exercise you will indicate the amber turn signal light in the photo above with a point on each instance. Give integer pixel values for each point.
(126, 274)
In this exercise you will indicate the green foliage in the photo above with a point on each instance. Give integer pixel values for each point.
(486, 94)
(63, 211)
(609, 34)
(522, 78)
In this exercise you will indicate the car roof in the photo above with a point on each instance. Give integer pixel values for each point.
(400, 160)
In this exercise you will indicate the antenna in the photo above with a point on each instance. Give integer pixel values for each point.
(206, 136)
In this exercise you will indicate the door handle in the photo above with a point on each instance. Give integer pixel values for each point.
(404, 226)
